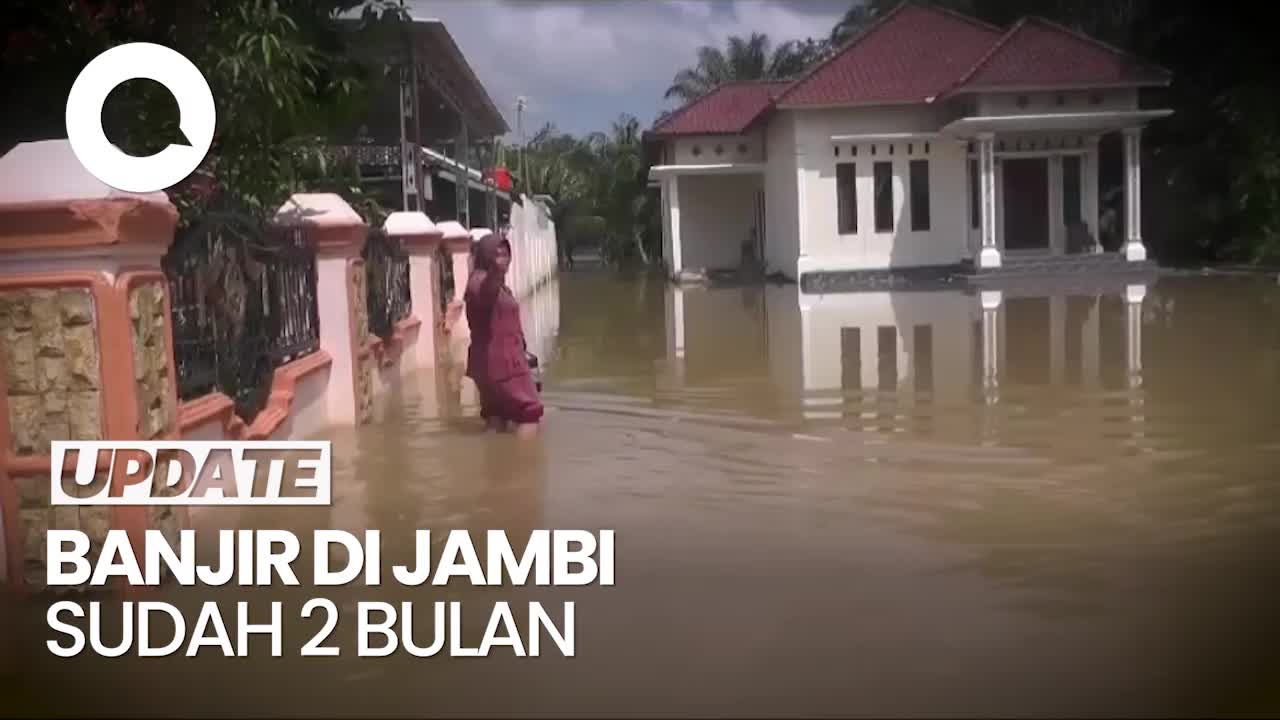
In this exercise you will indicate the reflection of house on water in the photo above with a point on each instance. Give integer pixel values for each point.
(930, 361)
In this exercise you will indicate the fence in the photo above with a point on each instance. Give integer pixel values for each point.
(387, 275)
(533, 247)
(243, 304)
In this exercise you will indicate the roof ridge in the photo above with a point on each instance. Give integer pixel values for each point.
(880, 22)
(986, 57)
(1026, 20)
(1085, 37)
(853, 40)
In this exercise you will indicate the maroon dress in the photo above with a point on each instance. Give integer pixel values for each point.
(496, 359)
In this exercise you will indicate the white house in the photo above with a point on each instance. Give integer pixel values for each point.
(931, 139)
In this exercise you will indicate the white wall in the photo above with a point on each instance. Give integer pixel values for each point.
(717, 149)
(717, 213)
(1039, 103)
(782, 201)
(822, 247)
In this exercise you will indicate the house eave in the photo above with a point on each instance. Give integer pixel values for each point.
(659, 172)
(884, 137)
(1050, 87)
(1077, 122)
(855, 105)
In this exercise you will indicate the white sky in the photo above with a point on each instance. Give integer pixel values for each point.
(582, 62)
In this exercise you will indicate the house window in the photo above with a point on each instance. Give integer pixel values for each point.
(1071, 214)
(919, 195)
(974, 213)
(883, 174)
(847, 198)
(742, 149)
(837, 151)
(1023, 101)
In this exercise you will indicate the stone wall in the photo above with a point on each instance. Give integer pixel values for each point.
(156, 411)
(156, 407)
(52, 368)
(365, 361)
(37, 518)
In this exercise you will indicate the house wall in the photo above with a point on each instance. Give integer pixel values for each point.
(716, 217)
(822, 246)
(782, 200)
(717, 149)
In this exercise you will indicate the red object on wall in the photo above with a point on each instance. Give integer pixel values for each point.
(502, 178)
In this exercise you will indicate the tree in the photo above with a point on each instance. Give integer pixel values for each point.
(854, 20)
(751, 58)
(281, 71)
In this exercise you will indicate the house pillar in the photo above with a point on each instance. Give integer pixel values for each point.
(1091, 347)
(989, 419)
(989, 257)
(1134, 250)
(673, 195)
(1089, 190)
(1133, 296)
(991, 302)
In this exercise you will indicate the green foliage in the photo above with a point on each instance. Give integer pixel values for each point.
(750, 58)
(598, 184)
(282, 72)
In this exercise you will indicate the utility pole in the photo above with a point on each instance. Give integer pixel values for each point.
(409, 125)
(521, 103)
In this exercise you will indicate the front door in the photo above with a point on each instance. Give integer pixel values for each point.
(1026, 203)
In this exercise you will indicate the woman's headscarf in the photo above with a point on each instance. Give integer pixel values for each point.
(486, 250)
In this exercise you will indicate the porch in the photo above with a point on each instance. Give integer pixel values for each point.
(713, 217)
(1033, 189)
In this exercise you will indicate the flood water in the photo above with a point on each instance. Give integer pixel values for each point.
(908, 503)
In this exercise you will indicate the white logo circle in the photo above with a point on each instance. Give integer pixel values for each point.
(196, 117)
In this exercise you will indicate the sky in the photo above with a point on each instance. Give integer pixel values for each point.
(582, 62)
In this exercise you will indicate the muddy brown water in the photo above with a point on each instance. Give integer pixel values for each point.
(856, 505)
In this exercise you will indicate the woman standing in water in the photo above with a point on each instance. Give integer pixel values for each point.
(496, 360)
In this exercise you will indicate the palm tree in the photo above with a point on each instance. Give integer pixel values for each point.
(752, 58)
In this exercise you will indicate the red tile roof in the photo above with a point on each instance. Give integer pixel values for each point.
(911, 54)
(916, 53)
(727, 110)
(1038, 53)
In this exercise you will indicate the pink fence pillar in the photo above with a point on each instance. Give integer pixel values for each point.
(420, 239)
(338, 234)
(85, 343)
